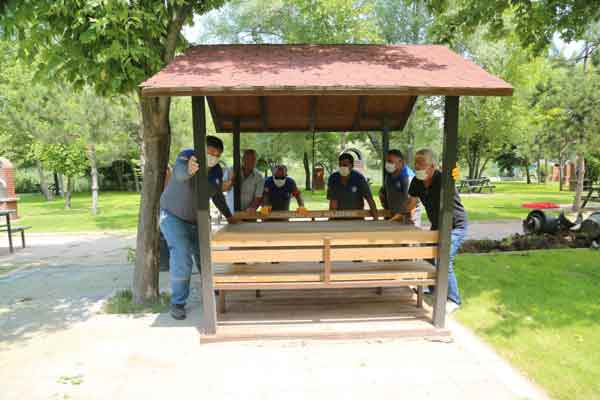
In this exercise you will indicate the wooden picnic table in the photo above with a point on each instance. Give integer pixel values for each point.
(590, 196)
(10, 229)
(475, 185)
(322, 255)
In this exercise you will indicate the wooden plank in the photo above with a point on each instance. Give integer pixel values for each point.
(264, 117)
(267, 255)
(295, 272)
(358, 214)
(322, 285)
(336, 267)
(209, 323)
(450, 148)
(367, 231)
(316, 254)
(384, 253)
(326, 259)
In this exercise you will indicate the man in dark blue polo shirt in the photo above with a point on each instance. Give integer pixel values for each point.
(178, 218)
(279, 190)
(348, 189)
(428, 187)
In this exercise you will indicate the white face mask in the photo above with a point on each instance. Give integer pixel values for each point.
(344, 171)
(390, 167)
(421, 174)
(279, 182)
(211, 160)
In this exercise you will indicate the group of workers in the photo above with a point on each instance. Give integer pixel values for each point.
(403, 192)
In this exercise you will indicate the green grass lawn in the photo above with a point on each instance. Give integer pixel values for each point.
(119, 210)
(541, 311)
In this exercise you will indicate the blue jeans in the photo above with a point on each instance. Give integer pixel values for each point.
(182, 238)
(457, 237)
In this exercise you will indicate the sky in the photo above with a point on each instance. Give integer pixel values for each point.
(192, 34)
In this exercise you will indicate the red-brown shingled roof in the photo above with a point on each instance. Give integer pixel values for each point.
(322, 69)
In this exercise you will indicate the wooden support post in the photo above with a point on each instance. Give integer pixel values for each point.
(327, 260)
(446, 208)
(419, 296)
(209, 317)
(237, 187)
(385, 144)
(222, 304)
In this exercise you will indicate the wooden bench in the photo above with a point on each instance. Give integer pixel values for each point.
(13, 229)
(475, 185)
(322, 255)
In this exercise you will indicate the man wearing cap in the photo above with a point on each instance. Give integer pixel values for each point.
(348, 189)
(428, 188)
(279, 189)
(394, 191)
(178, 205)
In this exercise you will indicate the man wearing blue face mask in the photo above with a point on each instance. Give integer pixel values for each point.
(178, 218)
(428, 187)
(348, 189)
(279, 190)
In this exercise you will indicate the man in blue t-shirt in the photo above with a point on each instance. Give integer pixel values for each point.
(348, 189)
(279, 190)
(178, 205)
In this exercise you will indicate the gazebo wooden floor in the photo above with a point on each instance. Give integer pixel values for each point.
(323, 314)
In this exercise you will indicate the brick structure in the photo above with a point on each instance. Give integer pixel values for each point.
(8, 197)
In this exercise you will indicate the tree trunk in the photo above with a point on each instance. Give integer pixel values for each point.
(306, 170)
(48, 195)
(91, 154)
(580, 179)
(561, 175)
(526, 165)
(57, 184)
(156, 144)
(67, 193)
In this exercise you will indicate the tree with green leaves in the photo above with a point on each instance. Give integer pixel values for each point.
(535, 22)
(113, 46)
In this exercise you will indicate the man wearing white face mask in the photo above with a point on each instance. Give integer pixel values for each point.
(279, 189)
(252, 184)
(394, 191)
(348, 189)
(428, 187)
(178, 218)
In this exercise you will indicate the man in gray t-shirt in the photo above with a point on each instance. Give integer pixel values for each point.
(178, 205)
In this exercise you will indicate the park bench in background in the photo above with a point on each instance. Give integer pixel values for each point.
(593, 195)
(10, 229)
(475, 185)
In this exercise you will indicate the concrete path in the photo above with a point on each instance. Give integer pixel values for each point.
(55, 343)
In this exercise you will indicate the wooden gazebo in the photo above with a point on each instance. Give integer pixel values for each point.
(331, 88)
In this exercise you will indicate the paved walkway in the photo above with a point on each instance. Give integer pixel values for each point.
(56, 344)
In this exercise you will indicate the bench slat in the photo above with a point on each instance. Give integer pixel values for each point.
(337, 254)
(313, 272)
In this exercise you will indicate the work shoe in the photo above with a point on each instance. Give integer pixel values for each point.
(178, 311)
(451, 307)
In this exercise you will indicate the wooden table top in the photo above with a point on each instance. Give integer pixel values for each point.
(319, 230)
